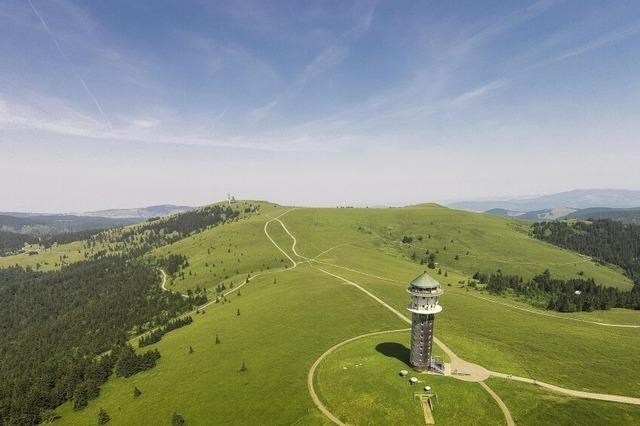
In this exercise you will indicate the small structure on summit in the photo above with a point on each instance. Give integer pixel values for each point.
(424, 292)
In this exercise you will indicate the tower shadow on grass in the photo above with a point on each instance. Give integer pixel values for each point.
(395, 350)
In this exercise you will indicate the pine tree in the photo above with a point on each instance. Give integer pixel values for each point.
(190, 350)
(238, 313)
(136, 392)
(103, 417)
(244, 367)
(217, 340)
(177, 420)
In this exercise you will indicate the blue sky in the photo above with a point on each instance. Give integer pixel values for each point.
(119, 103)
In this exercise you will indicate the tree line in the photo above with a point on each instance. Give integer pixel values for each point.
(573, 295)
(603, 239)
(156, 335)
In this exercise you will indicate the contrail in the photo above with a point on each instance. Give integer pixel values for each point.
(73, 70)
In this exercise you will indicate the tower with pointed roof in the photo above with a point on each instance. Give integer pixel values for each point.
(424, 306)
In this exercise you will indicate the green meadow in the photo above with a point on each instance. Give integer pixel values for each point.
(282, 328)
(492, 243)
(224, 254)
(46, 259)
(360, 383)
(289, 316)
(531, 405)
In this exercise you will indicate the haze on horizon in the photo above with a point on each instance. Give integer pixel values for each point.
(123, 104)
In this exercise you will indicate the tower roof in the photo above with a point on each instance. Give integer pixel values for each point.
(425, 281)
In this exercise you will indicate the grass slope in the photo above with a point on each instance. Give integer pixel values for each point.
(48, 258)
(284, 327)
(225, 253)
(492, 243)
(361, 385)
(531, 405)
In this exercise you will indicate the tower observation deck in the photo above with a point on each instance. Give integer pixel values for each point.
(424, 306)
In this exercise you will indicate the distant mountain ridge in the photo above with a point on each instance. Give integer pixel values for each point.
(631, 215)
(576, 199)
(39, 225)
(545, 214)
(140, 212)
(50, 224)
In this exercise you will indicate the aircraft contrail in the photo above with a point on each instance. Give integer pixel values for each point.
(73, 70)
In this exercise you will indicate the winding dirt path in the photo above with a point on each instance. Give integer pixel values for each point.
(505, 410)
(164, 280)
(575, 393)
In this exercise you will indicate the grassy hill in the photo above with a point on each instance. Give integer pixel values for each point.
(291, 314)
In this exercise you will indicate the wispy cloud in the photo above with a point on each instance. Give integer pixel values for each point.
(466, 98)
(330, 57)
(327, 59)
(607, 39)
(16, 118)
(71, 67)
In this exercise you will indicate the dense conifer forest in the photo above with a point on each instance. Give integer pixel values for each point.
(603, 239)
(559, 295)
(11, 242)
(63, 333)
(53, 326)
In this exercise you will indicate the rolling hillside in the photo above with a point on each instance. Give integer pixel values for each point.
(299, 280)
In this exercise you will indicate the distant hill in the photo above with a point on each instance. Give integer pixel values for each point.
(50, 224)
(576, 199)
(623, 215)
(141, 212)
(58, 223)
(536, 215)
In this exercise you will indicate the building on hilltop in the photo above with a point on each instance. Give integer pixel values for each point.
(424, 305)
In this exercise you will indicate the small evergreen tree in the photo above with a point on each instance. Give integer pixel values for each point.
(103, 417)
(136, 392)
(244, 367)
(217, 340)
(177, 420)
(190, 350)
(238, 313)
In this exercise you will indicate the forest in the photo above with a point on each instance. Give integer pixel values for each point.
(173, 228)
(12, 242)
(63, 333)
(574, 295)
(606, 240)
